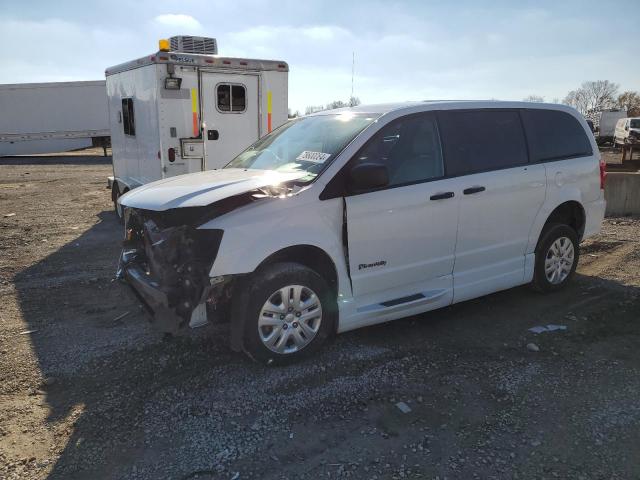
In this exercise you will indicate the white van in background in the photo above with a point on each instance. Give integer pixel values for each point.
(351, 217)
(185, 109)
(627, 132)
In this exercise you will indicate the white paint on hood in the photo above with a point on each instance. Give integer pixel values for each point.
(202, 188)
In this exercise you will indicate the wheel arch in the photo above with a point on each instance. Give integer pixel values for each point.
(570, 213)
(308, 255)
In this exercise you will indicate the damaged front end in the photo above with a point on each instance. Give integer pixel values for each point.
(167, 260)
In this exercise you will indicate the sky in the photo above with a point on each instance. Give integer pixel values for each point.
(411, 50)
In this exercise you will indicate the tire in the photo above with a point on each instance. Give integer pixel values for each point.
(119, 211)
(290, 339)
(552, 271)
(115, 196)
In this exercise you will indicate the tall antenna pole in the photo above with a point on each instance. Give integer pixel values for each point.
(353, 69)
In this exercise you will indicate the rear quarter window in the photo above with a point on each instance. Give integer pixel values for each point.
(553, 135)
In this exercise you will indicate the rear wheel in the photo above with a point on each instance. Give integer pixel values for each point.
(117, 208)
(290, 312)
(556, 257)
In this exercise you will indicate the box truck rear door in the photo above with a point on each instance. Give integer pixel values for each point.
(230, 114)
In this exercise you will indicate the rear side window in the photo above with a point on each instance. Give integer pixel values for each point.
(128, 119)
(481, 140)
(554, 135)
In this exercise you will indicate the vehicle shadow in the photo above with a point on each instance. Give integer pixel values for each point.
(138, 404)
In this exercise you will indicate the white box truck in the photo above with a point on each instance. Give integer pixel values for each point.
(606, 125)
(185, 109)
(52, 117)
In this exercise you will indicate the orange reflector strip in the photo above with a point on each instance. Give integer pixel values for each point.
(194, 110)
(269, 105)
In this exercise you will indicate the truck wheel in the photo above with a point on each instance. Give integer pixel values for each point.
(290, 312)
(557, 256)
(117, 208)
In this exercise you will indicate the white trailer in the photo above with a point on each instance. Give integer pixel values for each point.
(606, 124)
(185, 109)
(52, 117)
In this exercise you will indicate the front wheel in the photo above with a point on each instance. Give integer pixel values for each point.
(556, 258)
(290, 312)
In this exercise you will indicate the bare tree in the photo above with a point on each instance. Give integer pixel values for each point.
(593, 96)
(630, 101)
(534, 99)
(577, 99)
(336, 104)
(353, 101)
(312, 109)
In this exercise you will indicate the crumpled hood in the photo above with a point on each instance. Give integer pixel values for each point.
(202, 188)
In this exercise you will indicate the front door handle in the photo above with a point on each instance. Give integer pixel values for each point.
(441, 196)
(472, 190)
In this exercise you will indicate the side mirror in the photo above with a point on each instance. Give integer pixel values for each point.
(367, 176)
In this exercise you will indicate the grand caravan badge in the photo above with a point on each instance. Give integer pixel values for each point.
(379, 263)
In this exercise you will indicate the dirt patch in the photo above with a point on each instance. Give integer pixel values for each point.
(88, 393)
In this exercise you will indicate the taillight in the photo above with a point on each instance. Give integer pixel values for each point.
(172, 154)
(603, 174)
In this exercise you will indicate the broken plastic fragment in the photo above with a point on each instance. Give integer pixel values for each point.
(549, 328)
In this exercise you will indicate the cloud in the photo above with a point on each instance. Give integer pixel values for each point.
(179, 20)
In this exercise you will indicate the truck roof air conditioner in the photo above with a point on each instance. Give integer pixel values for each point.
(198, 45)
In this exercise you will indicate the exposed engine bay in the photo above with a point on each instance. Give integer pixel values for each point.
(167, 262)
(167, 259)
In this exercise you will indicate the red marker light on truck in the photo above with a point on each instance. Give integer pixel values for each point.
(172, 154)
(603, 174)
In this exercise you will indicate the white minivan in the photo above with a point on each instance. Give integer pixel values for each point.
(627, 132)
(351, 217)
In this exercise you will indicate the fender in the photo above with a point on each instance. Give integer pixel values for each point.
(255, 232)
(554, 198)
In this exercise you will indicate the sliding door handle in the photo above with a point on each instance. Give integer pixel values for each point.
(441, 196)
(472, 190)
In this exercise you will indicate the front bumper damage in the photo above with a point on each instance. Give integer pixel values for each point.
(167, 265)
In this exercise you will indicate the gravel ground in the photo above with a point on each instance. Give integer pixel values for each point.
(86, 392)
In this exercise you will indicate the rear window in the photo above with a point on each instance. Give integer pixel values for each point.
(481, 140)
(231, 97)
(554, 135)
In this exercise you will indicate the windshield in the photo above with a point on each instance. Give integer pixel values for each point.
(635, 123)
(306, 145)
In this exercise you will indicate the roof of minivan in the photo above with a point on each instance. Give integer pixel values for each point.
(383, 108)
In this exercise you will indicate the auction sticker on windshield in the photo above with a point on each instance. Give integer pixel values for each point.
(317, 157)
